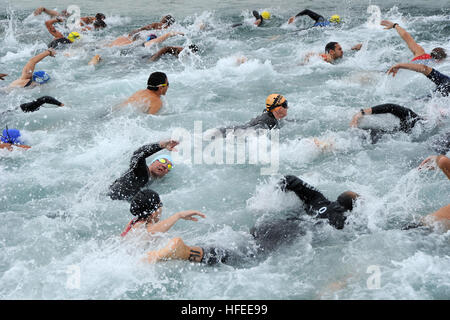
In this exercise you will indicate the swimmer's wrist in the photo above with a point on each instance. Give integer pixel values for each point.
(394, 25)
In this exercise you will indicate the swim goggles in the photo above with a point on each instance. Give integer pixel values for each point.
(164, 161)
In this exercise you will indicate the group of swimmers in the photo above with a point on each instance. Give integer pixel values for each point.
(146, 205)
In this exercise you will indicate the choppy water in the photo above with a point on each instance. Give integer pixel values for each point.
(55, 219)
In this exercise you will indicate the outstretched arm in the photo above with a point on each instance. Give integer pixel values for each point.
(304, 191)
(165, 225)
(27, 71)
(166, 50)
(416, 49)
(404, 114)
(315, 16)
(162, 38)
(51, 28)
(152, 26)
(426, 70)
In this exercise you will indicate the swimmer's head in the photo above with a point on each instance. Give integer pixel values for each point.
(145, 204)
(335, 18)
(99, 24)
(347, 199)
(161, 166)
(277, 104)
(73, 36)
(168, 20)
(11, 136)
(158, 81)
(100, 16)
(151, 37)
(265, 15)
(334, 49)
(438, 54)
(193, 48)
(40, 77)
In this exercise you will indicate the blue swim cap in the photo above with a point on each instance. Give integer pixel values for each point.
(164, 156)
(151, 37)
(11, 136)
(40, 77)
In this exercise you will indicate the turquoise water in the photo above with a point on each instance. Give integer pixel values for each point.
(56, 221)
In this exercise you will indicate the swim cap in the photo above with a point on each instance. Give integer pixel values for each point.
(11, 136)
(73, 36)
(151, 37)
(164, 156)
(155, 80)
(265, 15)
(40, 77)
(346, 199)
(274, 100)
(145, 203)
(335, 18)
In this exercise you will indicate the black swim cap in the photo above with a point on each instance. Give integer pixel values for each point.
(346, 199)
(330, 46)
(145, 203)
(99, 24)
(193, 48)
(100, 16)
(155, 80)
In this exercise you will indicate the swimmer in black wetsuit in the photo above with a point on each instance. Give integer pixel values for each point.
(408, 119)
(265, 15)
(319, 21)
(59, 40)
(276, 109)
(269, 235)
(442, 81)
(139, 174)
(36, 104)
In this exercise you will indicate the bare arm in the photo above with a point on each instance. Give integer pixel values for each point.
(27, 71)
(426, 70)
(172, 50)
(2, 75)
(162, 38)
(441, 161)
(165, 225)
(51, 13)
(51, 28)
(416, 49)
(152, 26)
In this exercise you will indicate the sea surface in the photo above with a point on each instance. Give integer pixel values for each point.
(60, 233)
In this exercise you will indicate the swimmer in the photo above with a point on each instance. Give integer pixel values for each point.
(319, 21)
(97, 20)
(440, 161)
(146, 205)
(150, 98)
(333, 52)
(165, 22)
(139, 174)
(276, 109)
(150, 39)
(51, 13)
(29, 77)
(36, 104)
(442, 81)
(175, 51)
(59, 39)
(265, 15)
(269, 235)
(420, 56)
(3, 75)
(10, 138)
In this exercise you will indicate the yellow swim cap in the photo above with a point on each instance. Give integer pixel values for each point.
(265, 15)
(73, 36)
(335, 18)
(275, 100)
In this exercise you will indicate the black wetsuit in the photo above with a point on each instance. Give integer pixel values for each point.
(270, 235)
(265, 121)
(59, 43)
(315, 16)
(137, 175)
(36, 104)
(442, 82)
(408, 119)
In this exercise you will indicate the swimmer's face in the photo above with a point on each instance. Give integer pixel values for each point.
(159, 169)
(280, 113)
(337, 53)
(165, 88)
(156, 215)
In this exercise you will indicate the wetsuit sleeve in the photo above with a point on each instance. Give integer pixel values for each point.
(315, 16)
(308, 194)
(408, 118)
(36, 104)
(441, 80)
(139, 156)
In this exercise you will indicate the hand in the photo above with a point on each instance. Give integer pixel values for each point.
(387, 24)
(393, 70)
(189, 215)
(38, 11)
(287, 182)
(357, 46)
(429, 163)
(291, 19)
(52, 52)
(355, 119)
(169, 145)
(2, 75)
